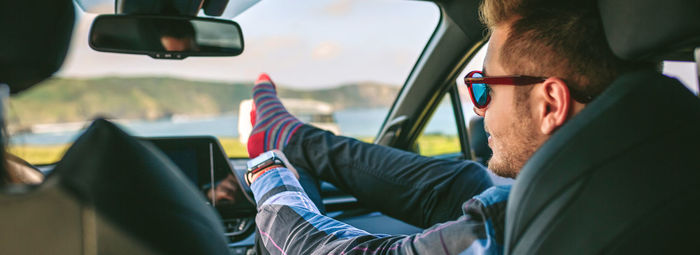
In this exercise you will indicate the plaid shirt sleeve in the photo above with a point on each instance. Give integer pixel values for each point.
(289, 223)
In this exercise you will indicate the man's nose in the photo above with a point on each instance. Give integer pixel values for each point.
(480, 111)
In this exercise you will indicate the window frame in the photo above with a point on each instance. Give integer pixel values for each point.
(404, 133)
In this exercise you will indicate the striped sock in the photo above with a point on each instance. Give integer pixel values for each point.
(273, 125)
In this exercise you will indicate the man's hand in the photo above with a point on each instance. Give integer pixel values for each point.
(286, 162)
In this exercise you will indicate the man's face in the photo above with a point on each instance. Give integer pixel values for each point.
(175, 44)
(508, 118)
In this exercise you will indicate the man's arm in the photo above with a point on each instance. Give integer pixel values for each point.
(289, 223)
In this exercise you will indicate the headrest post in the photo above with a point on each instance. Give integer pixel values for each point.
(697, 66)
(4, 101)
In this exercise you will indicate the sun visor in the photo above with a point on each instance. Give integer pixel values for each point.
(651, 30)
(35, 38)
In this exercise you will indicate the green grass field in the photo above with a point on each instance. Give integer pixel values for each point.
(48, 154)
(39, 154)
(437, 144)
(429, 145)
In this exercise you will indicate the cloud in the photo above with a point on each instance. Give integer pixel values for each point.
(275, 42)
(326, 50)
(299, 52)
(339, 8)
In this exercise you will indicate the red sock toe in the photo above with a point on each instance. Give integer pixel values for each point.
(263, 78)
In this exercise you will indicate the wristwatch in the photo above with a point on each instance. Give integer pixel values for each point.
(263, 162)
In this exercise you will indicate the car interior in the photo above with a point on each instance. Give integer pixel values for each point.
(621, 177)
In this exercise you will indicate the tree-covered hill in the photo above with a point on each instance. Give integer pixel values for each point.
(61, 100)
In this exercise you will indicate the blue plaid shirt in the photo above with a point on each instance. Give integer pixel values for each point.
(290, 223)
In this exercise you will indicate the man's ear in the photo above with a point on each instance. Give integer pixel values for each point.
(553, 108)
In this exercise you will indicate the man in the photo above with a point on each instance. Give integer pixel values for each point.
(177, 36)
(543, 65)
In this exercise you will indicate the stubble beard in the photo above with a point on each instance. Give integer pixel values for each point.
(511, 154)
(514, 147)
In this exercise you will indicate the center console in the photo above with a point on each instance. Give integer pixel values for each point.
(203, 161)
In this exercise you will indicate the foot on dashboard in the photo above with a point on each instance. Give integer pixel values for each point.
(273, 125)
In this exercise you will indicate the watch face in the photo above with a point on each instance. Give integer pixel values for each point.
(264, 159)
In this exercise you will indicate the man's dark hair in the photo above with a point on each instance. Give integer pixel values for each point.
(561, 40)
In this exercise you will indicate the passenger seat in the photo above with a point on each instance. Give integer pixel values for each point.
(479, 143)
(479, 140)
(623, 175)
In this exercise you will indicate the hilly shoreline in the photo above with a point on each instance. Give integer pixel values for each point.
(62, 100)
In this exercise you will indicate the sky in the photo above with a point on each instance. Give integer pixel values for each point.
(301, 44)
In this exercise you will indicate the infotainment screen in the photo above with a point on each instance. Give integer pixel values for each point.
(203, 161)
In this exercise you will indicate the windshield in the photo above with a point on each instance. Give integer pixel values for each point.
(338, 65)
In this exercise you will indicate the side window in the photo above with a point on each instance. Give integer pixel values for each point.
(684, 71)
(476, 63)
(478, 140)
(440, 136)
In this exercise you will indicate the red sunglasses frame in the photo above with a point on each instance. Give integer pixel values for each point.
(516, 80)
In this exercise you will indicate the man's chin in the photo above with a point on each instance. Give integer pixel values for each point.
(506, 174)
(501, 168)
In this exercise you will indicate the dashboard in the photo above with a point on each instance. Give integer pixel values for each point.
(220, 179)
(205, 164)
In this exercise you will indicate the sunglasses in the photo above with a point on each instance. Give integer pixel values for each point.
(479, 89)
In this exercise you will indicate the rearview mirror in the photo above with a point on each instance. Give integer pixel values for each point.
(165, 36)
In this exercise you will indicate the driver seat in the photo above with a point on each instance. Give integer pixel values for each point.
(111, 193)
(623, 176)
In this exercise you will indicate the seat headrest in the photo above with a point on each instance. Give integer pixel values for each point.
(651, 30)
(35, 39)
(478, 139)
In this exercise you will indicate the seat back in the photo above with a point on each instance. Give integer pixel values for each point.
(44, 221)
(621, 176)
(51, 220)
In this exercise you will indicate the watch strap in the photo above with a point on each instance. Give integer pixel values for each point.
(250, 176)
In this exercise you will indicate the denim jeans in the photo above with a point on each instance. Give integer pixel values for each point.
(418, 190)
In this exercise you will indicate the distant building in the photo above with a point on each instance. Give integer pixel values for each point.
(316, 113)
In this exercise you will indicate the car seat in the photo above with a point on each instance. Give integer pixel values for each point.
(111, 193)
(623, 176)
(478, 140)
(34, 40)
